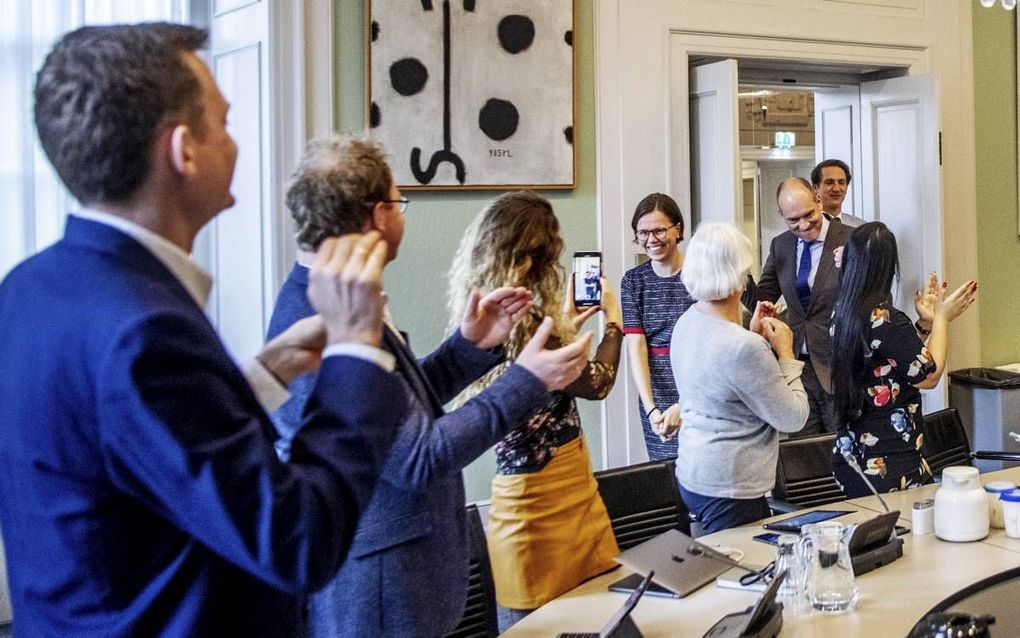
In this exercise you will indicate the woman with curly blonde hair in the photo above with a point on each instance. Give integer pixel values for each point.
(548, 526)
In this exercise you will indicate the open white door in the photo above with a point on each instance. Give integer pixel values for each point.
(838, 135)
(715, 145)
(901, 180)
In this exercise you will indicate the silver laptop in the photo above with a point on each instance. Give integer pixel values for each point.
(681, 564)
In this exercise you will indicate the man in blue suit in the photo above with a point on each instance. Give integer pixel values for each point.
(407, 573)
(140, 494)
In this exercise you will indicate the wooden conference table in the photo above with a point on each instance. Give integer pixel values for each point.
(892, 598)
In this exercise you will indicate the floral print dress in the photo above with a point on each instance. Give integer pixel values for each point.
(887, 436)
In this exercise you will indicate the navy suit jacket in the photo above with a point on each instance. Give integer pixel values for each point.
(811, 324)
(407, 572)
(140, 494)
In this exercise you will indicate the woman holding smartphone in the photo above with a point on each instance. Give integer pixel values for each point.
(654, 297)
(880, 363)
(548, 527)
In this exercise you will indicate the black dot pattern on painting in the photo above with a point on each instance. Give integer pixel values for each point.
(567, 133)
(516, 33)
(498, 119)
(568, 37)
(375, 30)
(374, 115)
(408, 76)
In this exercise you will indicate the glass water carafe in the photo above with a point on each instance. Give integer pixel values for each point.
(830, 574)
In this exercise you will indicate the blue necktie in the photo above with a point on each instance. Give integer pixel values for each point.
(803, 272)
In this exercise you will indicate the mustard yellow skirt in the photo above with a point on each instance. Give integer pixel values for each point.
(548, 530)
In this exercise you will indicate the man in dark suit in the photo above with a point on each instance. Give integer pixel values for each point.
(408, 570)
(140, 494)
(801, 269)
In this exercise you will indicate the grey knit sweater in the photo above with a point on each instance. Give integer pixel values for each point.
(735, 398)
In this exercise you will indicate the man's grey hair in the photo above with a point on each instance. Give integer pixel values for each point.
(335, 186)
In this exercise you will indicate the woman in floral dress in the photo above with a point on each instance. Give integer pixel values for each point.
(881, 362)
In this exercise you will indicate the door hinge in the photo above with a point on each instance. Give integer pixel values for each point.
(940, 148)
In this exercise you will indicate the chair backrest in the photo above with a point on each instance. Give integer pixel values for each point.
(945, 441)
(804, 472)
(479, 619)
(643, 501)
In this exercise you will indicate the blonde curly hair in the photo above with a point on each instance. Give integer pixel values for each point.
(514, 241)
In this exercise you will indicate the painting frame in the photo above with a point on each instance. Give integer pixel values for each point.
(411, 163)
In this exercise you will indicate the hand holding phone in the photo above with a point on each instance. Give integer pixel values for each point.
(587, 279)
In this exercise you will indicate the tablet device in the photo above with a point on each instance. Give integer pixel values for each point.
(793, 523)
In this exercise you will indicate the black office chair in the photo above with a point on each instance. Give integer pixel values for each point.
(804, 474)
(479, 619)
(946, 443)
(643, 501)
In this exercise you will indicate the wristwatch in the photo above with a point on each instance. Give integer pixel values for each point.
(920, 330)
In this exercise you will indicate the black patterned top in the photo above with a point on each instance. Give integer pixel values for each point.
(531, 446)
(651, 306)
(886, 438)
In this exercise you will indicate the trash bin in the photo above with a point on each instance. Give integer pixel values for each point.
(988, 400)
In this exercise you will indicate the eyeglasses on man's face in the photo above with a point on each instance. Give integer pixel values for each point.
(403, 201)
(642, 236)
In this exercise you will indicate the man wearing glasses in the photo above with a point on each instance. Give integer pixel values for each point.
(408, 570)
(801, 268)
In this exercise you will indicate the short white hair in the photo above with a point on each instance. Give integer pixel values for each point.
(717, 262)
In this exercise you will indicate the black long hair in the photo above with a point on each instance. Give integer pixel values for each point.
(870, 262)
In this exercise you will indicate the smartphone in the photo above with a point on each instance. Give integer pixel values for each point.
(769, 538)
(587, 279)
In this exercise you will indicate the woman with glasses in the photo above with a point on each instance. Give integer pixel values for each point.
(653, 298)
(548, 527)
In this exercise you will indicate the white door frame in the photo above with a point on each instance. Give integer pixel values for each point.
(642, 113)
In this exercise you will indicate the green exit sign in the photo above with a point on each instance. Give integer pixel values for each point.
(785, 139)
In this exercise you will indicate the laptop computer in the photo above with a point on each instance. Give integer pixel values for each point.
(681, 565)
(621, 625)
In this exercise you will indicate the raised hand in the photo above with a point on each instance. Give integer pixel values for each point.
(488, 320)
(925, 300)
(954, 304)
(345, 286)
(555, 368)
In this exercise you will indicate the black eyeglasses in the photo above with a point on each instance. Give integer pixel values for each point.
(403, 201)
(641, 236)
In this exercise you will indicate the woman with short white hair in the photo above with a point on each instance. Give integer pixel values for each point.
(739, 388)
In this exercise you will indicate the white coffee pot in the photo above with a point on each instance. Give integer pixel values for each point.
(961, 508)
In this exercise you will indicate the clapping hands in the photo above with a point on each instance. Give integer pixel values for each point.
(488, 320)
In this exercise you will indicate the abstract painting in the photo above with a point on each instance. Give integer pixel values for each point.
(473, 93)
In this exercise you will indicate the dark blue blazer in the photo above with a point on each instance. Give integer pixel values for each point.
(407, 571)
(140, 494)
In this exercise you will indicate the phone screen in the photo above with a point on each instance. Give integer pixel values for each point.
(587, 279)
